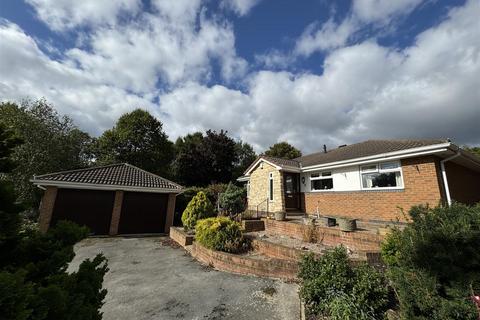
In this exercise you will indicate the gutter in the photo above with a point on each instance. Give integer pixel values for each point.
(444, 175)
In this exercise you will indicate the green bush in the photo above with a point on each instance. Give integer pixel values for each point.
(198, 208)
(332, 287)
(434, 262)
(220, 233)
(233, 200)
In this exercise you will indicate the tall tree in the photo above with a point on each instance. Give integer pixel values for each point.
(204, 159)
(245, 156)
(283, 150)
(51, 143)
(137, 138)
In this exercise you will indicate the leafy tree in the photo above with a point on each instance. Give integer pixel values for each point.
(34, 283)
(283, 150)
(198, 208)
(245, 156)
(51, 143)
(202, 160)
(474, 150)
(137, 138)
(433, 263)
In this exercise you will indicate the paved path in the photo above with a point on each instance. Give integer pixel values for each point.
(149, 279)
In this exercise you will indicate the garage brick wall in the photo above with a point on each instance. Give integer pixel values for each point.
(46, 208)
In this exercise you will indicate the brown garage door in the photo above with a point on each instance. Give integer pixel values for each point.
(91, 208)
(143, 213)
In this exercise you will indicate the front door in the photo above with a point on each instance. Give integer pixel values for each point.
(291, 187)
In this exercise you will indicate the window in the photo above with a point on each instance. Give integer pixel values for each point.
(384, 175)
(321, 181)
(248, 188)
(270, 188)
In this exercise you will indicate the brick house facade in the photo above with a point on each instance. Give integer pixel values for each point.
(417, 176)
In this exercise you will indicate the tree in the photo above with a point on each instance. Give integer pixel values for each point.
(474, 150)
(245, 156)
(34, 283)
(283, 150)
(51, 143)
(204, 159)
(137, 138)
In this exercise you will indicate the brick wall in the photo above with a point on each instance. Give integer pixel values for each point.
(116, 213)
(46, 208)
(464, 184)
(259, 186)
(178, 235)
(422, 182)
(358, 240)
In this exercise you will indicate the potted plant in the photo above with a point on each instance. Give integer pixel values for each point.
(280, 215)
(347, 224)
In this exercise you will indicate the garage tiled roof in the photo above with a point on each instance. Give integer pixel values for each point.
(364, 149)
(122, 174)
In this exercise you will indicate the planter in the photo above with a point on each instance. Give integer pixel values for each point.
(328, 222)
(308, 221)
(347, 224)
(280, 216)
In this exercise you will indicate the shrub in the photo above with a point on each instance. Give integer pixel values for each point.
(332, 287)
(220, 233)
(433, 263)
(233, 200)
(198, 208)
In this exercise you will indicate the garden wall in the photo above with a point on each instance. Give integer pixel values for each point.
(357, 240)
(243, 264)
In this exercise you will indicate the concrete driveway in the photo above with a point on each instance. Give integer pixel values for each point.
(150, 278)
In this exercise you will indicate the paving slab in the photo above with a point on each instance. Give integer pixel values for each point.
(151, 278)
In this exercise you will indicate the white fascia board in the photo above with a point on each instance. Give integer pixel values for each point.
(377, 158)
(291, 169)
(243, 179)
(90, 186)
(382, 155)
(258, 161)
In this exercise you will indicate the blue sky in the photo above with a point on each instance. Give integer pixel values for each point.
(311, 72)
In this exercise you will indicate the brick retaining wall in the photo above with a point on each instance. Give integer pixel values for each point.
(274, 268)
(358, 240)
(253, 225)
(180, 236)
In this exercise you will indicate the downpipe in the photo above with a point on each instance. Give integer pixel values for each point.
(444, 176)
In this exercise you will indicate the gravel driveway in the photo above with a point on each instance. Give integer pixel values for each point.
(151, 279)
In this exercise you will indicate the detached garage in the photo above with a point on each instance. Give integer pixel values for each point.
(113, 199)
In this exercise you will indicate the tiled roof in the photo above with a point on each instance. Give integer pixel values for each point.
(277, 161)
(122, 174)
(364, 149)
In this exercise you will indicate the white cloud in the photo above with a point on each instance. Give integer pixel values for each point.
(365, 91)
(240, 7)
(331, 35)
(67, 14)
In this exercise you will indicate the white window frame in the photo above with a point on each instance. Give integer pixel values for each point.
(378, 169)
(248, 188)
(271, 191)
(320, 177)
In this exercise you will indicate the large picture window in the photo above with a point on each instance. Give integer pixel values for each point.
(321, 181)
(383, 175)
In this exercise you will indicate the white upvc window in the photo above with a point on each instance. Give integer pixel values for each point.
(321, 181)
(248, 188)
(270, 186)
(386, 175)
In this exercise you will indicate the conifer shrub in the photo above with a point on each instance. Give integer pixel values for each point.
(433, 264)
(198, 208)
(220, 233)
(233, 200)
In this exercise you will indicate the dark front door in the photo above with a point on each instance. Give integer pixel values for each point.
(143, 213)
(291, 187)
(92, 208)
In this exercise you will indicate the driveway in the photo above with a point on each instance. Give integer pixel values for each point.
(150, 278)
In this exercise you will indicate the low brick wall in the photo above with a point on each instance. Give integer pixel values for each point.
(273, 268)
(358, 240)
(277, 251)
(253, 225)
(180, 236)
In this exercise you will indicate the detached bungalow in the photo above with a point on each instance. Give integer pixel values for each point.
(113, 199)
(368, 181)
